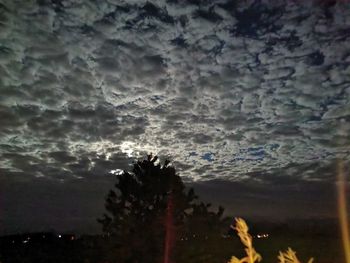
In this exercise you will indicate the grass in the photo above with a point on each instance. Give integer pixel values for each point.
(288, 256)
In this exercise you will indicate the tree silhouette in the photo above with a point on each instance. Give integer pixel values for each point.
(151, 213)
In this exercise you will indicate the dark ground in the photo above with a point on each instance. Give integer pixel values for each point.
(309, 239)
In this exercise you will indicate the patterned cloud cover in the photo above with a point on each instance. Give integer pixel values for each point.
(241, 91)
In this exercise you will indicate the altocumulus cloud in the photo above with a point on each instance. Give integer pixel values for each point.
(235, 90)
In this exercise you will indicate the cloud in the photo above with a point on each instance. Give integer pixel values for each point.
(87, 86)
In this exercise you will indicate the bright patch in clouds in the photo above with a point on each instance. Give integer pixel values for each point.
(116, 172)
(128, 148)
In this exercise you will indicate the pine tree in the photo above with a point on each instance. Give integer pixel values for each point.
(137, 211)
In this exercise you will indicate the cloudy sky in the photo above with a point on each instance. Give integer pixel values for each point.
(249, 99)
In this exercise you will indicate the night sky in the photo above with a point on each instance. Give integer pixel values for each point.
(249, 99)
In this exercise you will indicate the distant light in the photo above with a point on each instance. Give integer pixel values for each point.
(262, 235)
(59, 236)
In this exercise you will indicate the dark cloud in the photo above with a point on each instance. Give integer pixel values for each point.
(71, 206)
(254, 201)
